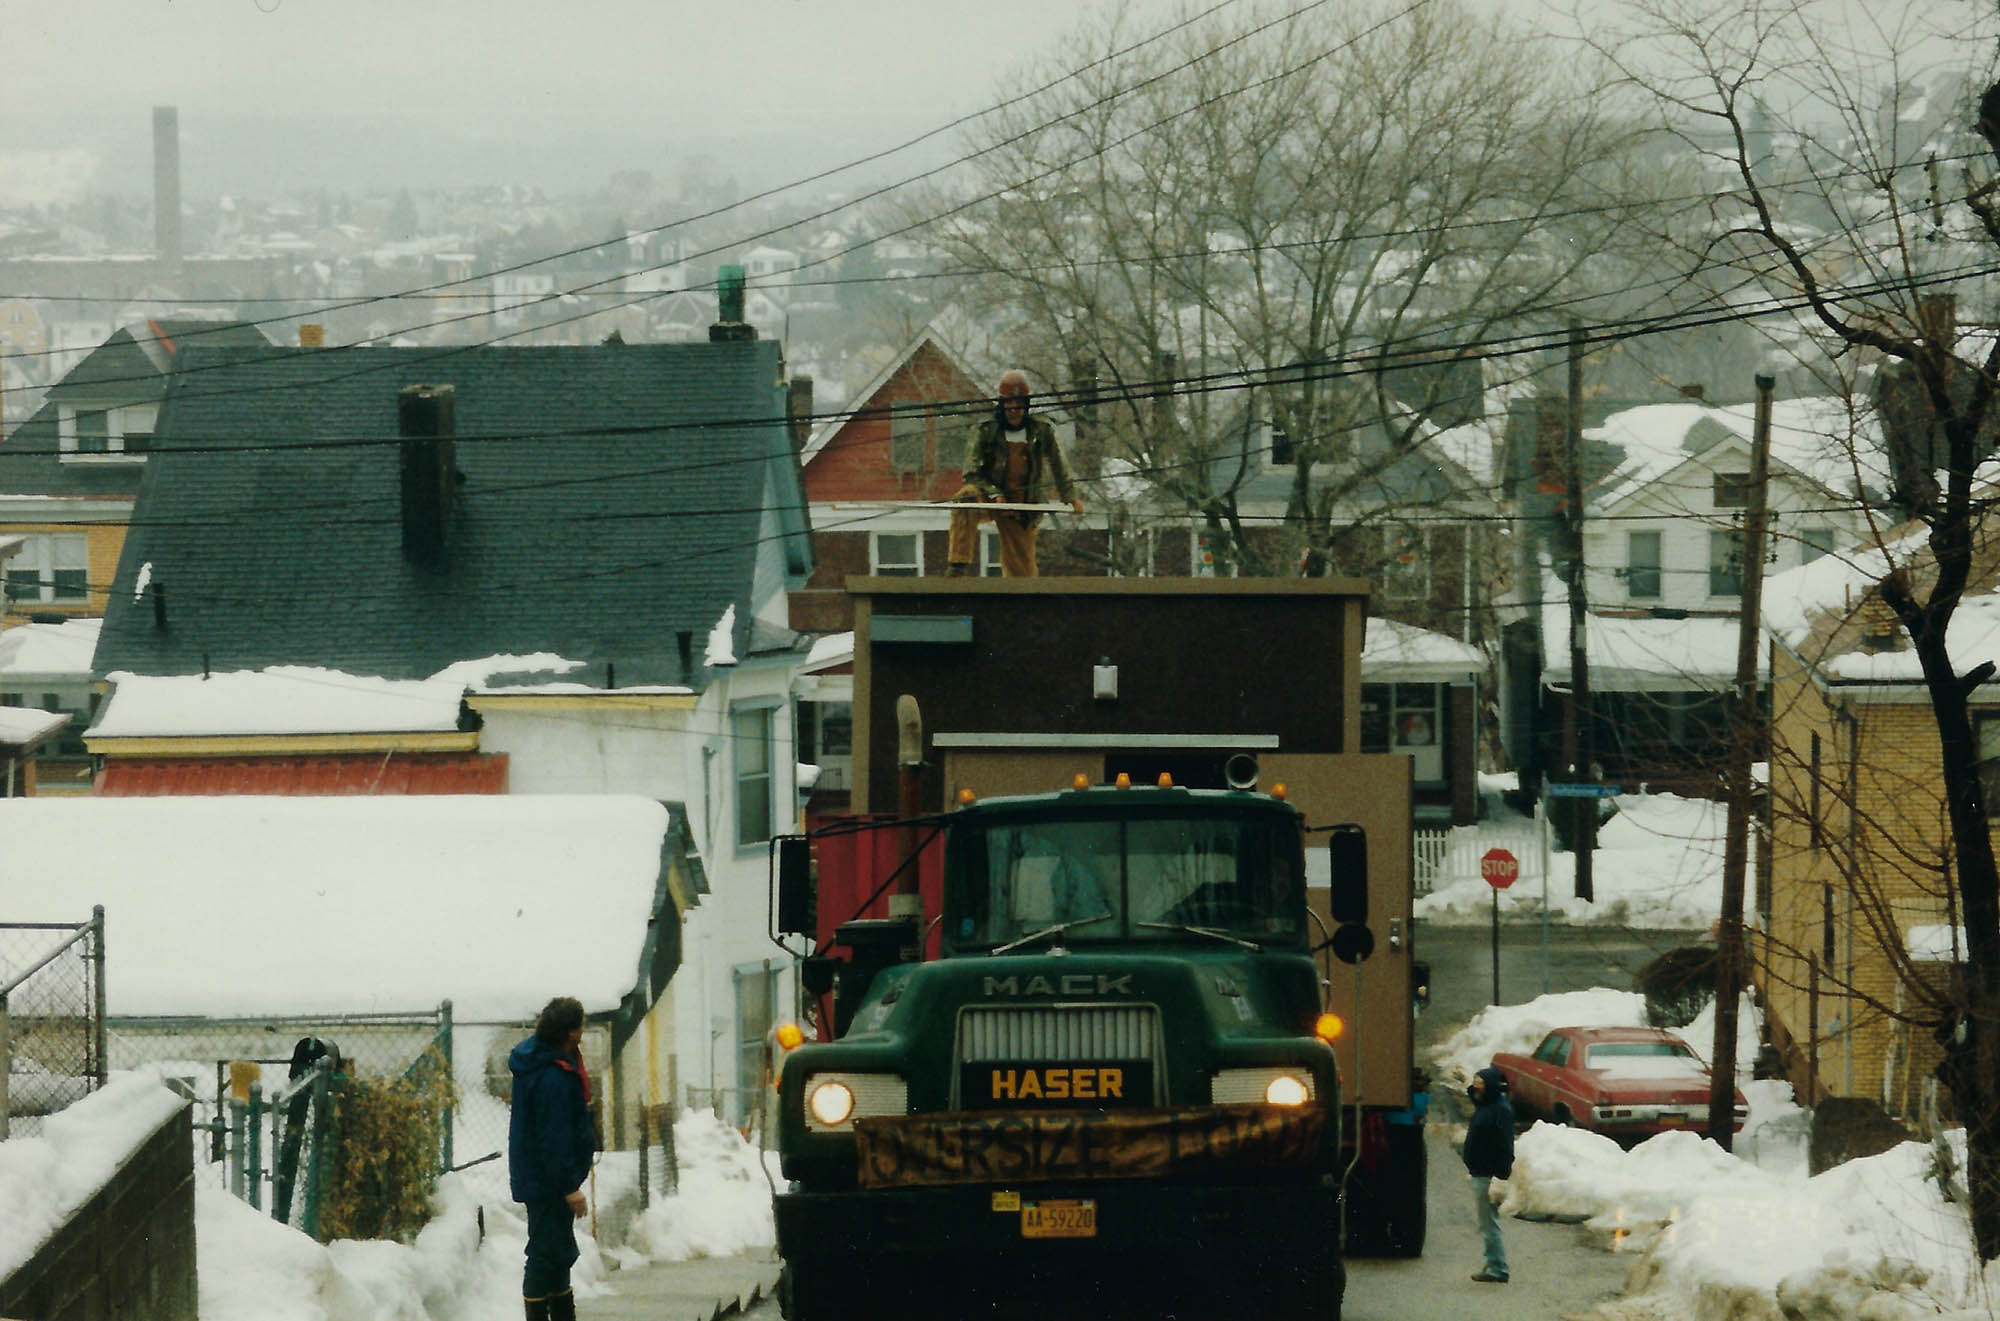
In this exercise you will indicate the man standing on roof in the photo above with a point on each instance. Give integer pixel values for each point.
(550, 1142)
(1013, 459)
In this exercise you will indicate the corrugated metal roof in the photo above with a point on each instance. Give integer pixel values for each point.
(305, 777)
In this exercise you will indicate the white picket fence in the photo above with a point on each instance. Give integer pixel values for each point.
(1453, 854)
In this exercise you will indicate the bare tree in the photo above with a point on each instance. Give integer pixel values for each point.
(1237, 233)
(1839, 184)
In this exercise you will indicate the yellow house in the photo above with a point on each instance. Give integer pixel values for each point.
(1854, 951)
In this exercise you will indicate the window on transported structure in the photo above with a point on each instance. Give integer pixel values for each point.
(93, 430)
(1814, 542)
(1406, 569)
(896, 554)
(1732, 490)
(1725, 563)
(1642, 566)
(751, 735)
(906, 441)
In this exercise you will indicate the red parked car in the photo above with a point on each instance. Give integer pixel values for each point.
(1627, 1083)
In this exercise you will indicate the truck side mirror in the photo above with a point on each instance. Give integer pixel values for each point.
(1347, 852)
(795, 906)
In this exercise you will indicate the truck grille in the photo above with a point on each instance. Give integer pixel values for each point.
(1064, 1034)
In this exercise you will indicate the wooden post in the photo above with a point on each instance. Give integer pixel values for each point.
(1736, 838)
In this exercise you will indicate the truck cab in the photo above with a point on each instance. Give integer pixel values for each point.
(1119, 1058)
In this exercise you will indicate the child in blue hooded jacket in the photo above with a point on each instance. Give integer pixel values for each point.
(550, 1141)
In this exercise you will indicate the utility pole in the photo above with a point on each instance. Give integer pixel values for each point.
(1736, 839)
(1580, 742)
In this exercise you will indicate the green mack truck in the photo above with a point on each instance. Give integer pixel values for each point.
(1104, 1035)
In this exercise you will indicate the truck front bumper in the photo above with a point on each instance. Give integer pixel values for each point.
(1287, 1231)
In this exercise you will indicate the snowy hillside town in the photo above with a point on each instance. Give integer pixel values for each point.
(1377, 584)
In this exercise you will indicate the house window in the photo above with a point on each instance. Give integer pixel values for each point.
(93, 431)
(1986, 733)
(953, 443)
(1725, 563)
(826, 740)
(756, 1012)
(989, 552)
(896, 554)
(51, 570)
(1814, 542)
(1406, 718)
(1282, 455)
(1812, 817)
(1642, 566)
(1406, 567)
(750, 729)
(1732, 490)
(906, 442)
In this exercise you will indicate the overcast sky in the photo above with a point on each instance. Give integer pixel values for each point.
(354, 94)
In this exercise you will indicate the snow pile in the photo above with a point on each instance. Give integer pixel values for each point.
(43, 1180)
(1574, 1174)
(1876, 1237)
(723, 1204)
(1658, 865)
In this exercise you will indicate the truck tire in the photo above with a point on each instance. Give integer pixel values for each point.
(1405, 1204)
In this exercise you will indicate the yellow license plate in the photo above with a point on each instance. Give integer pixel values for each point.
(1059, 1218)
(1669, 1121)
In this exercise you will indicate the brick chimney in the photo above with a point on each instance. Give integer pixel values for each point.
(799, 410)
(425, 418)
(730, 327)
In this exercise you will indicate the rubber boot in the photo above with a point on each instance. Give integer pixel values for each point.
(538, 1309)
(562, 1306)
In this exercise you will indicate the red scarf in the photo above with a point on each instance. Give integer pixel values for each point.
(575, 1066)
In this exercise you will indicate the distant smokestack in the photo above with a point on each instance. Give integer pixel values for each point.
(426, 419)
(167, 188)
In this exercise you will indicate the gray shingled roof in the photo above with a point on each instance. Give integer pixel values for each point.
(129, 367)
(611, 498)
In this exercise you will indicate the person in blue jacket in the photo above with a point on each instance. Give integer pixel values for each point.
(1489, 1155)
(550, 1142)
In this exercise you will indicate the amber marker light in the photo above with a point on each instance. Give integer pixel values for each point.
(1081, 781)
(1278, 789)
(790, 1036)
(1124, 780)
(1166, 780)
(966, 798)
(1328, 1027)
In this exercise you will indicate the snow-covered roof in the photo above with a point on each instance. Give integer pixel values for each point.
(1636, 654)
(830, 649)
(285, 699)
(230, 906)
(1829, 440)
(23, 726)
(1404, 651)
(49, 649)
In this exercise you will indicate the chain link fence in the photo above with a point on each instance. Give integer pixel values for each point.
(52, 1046)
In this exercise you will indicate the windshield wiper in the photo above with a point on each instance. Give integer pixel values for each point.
(1213, 933)
(1057, 929)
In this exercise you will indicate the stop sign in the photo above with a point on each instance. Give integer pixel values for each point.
(1499, 868)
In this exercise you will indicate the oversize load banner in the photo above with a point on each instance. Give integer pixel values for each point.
(1026, 1146)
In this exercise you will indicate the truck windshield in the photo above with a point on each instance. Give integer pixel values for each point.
(1180, 877)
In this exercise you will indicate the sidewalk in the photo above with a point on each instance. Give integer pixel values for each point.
(698, 1290)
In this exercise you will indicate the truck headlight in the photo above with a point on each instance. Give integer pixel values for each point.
(835, 1100)
(1267, 1086)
